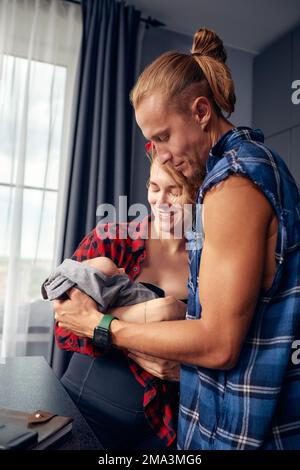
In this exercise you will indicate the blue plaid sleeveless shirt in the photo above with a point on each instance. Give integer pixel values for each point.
(255, 405)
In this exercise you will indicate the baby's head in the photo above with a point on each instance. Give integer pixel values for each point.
(105, 265)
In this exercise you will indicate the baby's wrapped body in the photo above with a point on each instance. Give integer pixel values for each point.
(102, 280)
(114, 394)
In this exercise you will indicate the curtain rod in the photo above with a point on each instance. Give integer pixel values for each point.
(149, 21)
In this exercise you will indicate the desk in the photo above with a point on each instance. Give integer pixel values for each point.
(28, 384)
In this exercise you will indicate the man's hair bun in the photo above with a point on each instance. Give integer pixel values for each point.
(207, 42)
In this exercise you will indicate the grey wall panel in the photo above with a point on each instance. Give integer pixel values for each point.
(273, 110)
(281, 143)
(295, 153)
(241, 66)
(296, 74)
(272, 87)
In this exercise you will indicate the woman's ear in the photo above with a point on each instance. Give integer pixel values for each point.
(201, 109)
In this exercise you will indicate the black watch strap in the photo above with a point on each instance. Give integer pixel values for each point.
(102, 335)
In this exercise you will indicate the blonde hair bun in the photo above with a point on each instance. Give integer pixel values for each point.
(207, 42)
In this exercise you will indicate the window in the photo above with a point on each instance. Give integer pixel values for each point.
(36, 85)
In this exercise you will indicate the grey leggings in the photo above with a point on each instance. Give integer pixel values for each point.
(111, 400)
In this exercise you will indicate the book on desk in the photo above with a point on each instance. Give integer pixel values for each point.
(35, 431)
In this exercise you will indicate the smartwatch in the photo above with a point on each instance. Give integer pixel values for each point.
(102, 335)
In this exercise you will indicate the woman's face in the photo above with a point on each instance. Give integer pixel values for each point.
(178, 138)
(167, 200)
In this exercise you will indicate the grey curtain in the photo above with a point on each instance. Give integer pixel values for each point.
(101, 159)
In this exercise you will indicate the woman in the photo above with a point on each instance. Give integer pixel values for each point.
(239, 386)
(126, 406)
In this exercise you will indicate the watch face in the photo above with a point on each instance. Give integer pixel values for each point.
(101, 338)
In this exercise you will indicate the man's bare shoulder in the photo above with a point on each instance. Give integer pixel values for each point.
(236, 189)
(237, 200)
(232, 182)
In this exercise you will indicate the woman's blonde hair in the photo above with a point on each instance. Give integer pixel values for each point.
(189, 189)
(182, 77)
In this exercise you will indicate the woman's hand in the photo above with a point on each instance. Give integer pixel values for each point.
(165, 309)
(162, 309)
(161, 368)
(78, 315)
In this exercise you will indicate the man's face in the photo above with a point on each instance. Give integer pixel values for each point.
(178, 137)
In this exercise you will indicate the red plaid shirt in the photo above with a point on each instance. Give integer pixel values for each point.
(160, 401)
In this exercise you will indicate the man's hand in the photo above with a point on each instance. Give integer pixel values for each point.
(78, 315)
(161, 368)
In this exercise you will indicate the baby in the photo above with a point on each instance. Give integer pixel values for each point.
(102, 280)
(105, 265)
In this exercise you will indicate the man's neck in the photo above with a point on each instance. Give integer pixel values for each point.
(219, 128)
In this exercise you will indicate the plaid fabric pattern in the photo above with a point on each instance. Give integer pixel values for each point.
(160, 397)
(255, 405)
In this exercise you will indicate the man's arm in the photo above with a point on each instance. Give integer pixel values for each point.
(237, 216)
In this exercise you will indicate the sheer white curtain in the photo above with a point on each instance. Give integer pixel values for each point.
(39, 50)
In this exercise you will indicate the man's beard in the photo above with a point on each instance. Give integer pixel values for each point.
(199, 173)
